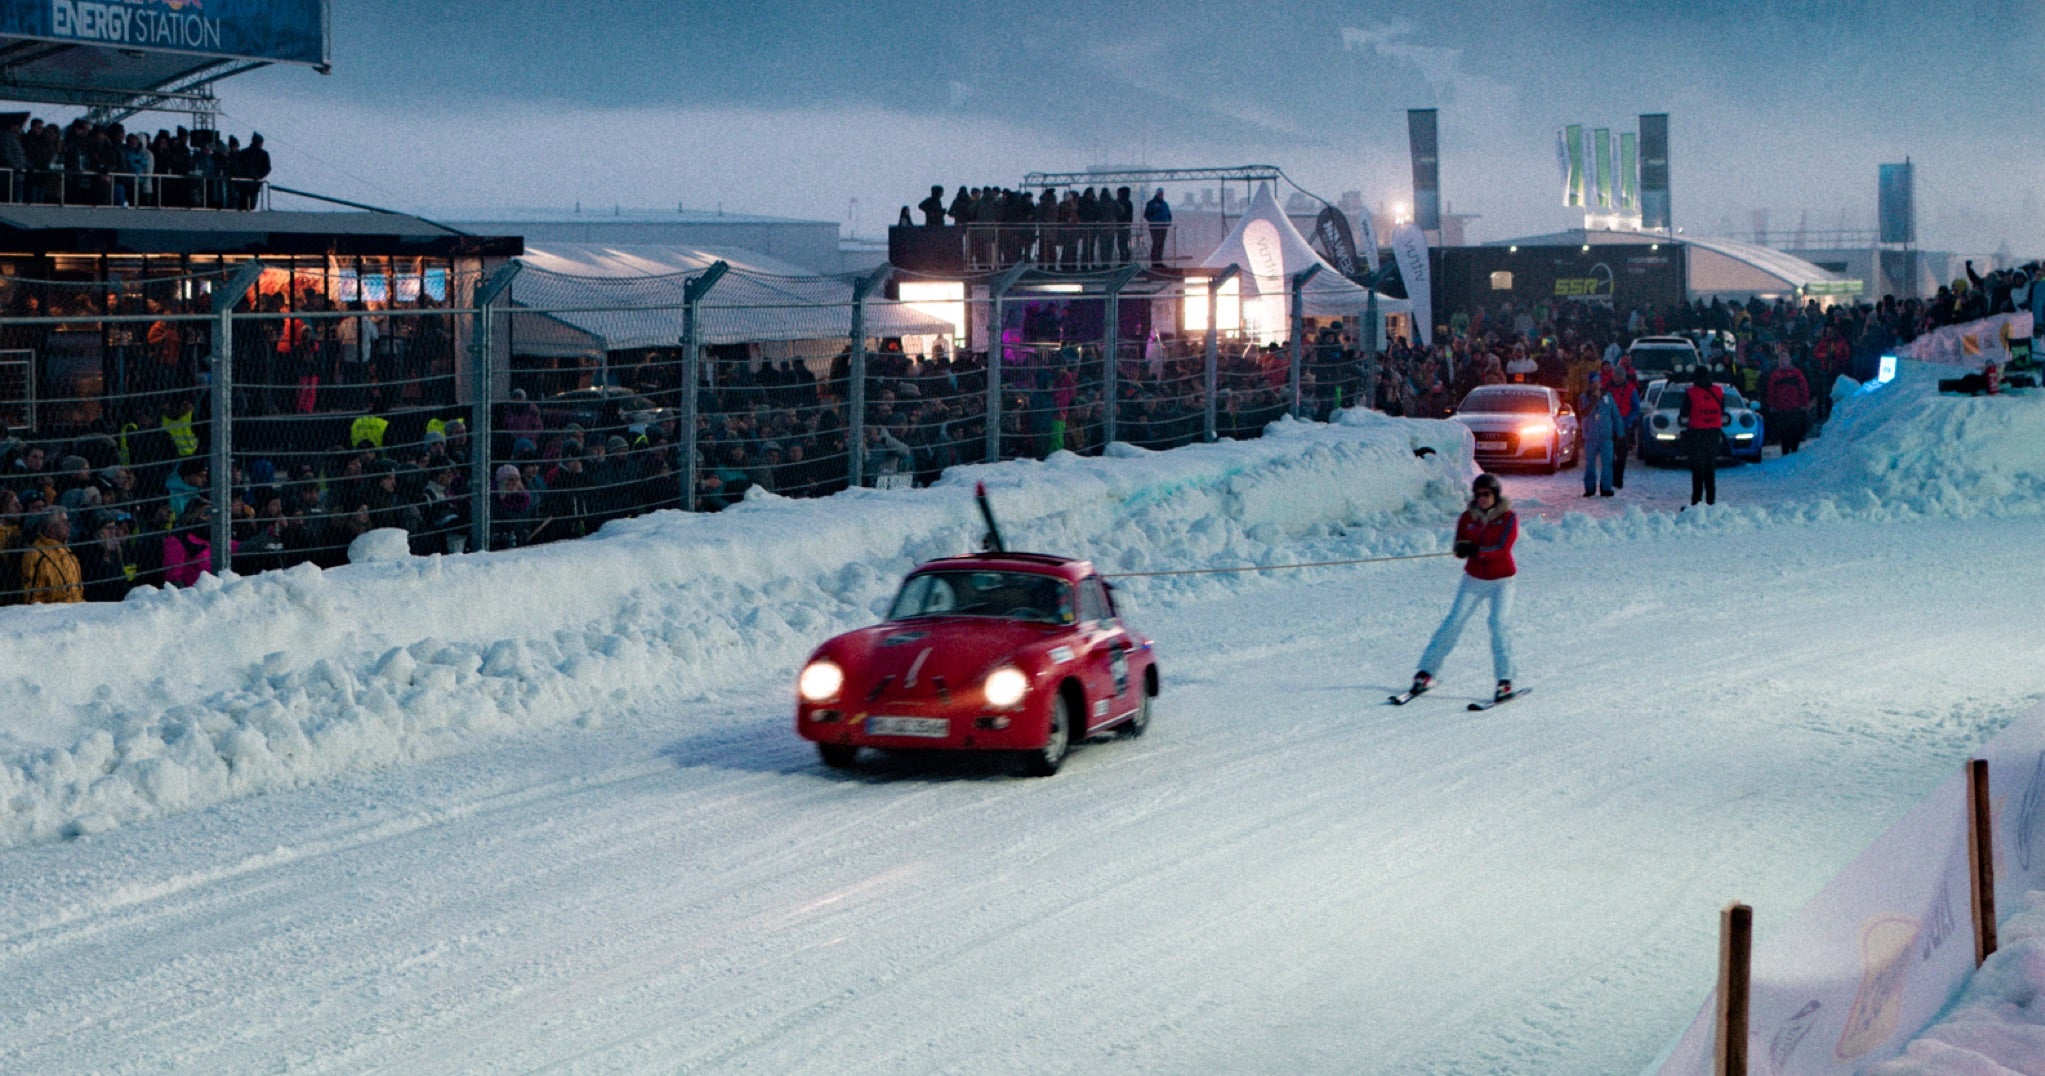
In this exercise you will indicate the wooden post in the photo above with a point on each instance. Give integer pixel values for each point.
(1735, 953)
(1981, 858)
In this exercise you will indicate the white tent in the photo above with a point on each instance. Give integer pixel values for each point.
(1270, 251)
(588, 299)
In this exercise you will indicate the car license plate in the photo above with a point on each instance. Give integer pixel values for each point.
(1483, 443)
(930, 728)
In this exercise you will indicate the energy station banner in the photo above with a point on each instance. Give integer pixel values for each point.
(284, 31)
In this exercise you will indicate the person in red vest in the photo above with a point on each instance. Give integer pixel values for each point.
(1702, 416)
(1625, 386)
(1788, 399)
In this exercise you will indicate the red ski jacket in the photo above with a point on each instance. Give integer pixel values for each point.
(1494, 533)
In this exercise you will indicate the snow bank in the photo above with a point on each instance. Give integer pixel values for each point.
(182, 698)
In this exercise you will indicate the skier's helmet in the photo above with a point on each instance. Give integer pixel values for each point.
(1486, 481)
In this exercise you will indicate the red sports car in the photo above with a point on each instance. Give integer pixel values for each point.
(989, 652)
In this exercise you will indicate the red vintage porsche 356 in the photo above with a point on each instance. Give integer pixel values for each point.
(996, 651)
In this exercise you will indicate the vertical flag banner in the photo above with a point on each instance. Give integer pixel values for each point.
(1562, 162)
(1897, 215)
(1602, 137)
(1629, 171)
(1369, 239)
(1654, 171)
(1572, 139)
(1426, 142)
(1409, 247)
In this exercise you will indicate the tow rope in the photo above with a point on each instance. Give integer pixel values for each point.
(1274, 567)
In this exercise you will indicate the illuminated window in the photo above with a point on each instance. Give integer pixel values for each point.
(1501, 281)
(939, 299)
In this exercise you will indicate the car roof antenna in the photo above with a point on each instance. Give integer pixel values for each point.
(992, 542)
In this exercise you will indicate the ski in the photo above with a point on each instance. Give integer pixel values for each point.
(1516, 693)
(1404, 697)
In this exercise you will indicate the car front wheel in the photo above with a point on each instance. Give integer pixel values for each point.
(1045, 761)
(1139, 724)
(838, 756)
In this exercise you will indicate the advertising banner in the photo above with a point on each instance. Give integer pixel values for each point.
(1629, 171)
(1331, 234)
(1868, 963)
(1573, 186)
(1897, 213)
(1562, 165)
(1654, 170)
(1409, 249)
(1602, 140)
(1422, 134)
(1369, 234)
(1970, 344)
(285, 31)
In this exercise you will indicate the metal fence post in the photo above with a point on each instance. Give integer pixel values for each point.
(1299, 325)
(1111, 350)
(1213, 379)
(855, 418)
(482, 435)
(222, 458)
(692, 295)
(995, 292)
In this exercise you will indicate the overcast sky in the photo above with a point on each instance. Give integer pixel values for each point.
(843, 110)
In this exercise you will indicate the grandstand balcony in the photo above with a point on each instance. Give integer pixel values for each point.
(966, 250)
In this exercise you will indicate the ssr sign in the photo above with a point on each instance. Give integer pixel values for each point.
(1595, 286)
(288, 31)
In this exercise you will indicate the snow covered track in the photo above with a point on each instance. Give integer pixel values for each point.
(1283, 873)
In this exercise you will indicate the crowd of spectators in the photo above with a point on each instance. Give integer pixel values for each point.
(105, 164)
(1078, 230)
(90, 514)
(1559, 344)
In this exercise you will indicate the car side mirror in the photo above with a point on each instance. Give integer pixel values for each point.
(1568, 410)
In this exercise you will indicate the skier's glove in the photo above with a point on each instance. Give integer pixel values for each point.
(1464, 550)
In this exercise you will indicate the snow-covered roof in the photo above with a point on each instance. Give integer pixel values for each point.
(582, 299)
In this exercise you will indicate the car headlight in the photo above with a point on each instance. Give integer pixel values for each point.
(1537, 430)
(820, 681)
(1006, 686)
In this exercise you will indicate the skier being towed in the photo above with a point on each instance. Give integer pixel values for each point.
(1484, 536)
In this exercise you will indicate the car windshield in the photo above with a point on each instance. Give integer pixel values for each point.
(1661, 359)
(1531, 403)
(1009, 595)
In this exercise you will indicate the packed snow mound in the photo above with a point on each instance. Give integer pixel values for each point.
(177, 699)
(1909, 447)
(384, 543)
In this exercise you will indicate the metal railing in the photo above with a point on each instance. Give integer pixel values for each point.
(151, 190)
(1078, 248)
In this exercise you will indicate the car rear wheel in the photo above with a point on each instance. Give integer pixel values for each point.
(1139, 724)
(1045, 761)
(838, 756)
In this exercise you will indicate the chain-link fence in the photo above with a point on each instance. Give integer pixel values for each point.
(538, 403)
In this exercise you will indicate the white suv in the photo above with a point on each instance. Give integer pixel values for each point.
(1662, 356)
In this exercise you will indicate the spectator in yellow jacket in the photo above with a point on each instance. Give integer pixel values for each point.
(49, 573)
